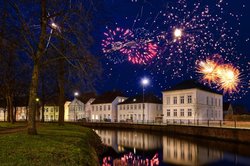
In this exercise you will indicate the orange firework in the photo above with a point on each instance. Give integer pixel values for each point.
(208, 69)
(226, 76)
(229, 78)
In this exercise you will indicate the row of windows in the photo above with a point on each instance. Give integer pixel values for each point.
(101, 117)
(51, 110)
(181, 100)
(181, 112)
(213, 101)
(131, 116)
(51, 117)
(100, 108)
(136, 106)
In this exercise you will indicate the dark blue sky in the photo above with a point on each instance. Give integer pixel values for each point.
(126, 76)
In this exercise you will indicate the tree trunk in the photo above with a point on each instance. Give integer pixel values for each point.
(14, 116)
(43, 110)
(32, 101)
(43, 97)
(35, 74)
(61, 82)
(8, 110)
(10, 101)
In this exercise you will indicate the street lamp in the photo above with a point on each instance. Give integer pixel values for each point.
(144, 82)
(37, 110)
(75, 95)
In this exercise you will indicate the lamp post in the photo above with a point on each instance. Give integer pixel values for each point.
(144, 82)
(37, 110)
(75, 95)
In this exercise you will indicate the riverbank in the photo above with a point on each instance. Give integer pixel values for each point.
(228, 134)
(54, 145)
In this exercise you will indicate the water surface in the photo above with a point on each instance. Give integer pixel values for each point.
(137, 148)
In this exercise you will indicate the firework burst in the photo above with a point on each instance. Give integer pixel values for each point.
(224, 76)
(229, 78)
(134, 45)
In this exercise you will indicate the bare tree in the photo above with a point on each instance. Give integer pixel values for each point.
(67, 21)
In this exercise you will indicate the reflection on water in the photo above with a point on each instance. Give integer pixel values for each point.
(133, 148)
(182, 152)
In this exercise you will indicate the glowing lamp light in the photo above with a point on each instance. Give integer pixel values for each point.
(76, 94)
(37, 99)
(177, 33)
(54, 25)
(145, 81)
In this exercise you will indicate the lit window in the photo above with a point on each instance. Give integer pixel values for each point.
(175, 100)
(182, 99)
(168, 112)
(189, 112)
(175, 112)
(189, 99)
(168, 100)
(182, 112)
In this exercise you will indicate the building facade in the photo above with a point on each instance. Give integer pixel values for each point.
(51, 112)
(190, 101)
(104, 107)
(80, 107)
(140, 109)
(76, 110)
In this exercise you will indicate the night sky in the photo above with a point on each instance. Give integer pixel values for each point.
(175, 60)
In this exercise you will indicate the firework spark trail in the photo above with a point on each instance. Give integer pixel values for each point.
(184, 32)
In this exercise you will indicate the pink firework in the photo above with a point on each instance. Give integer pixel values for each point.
(143, 54)
(133, 45)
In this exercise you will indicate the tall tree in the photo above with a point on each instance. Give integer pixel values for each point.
(41, 26)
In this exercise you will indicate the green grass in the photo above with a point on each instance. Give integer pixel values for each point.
(54, 145)
(6, 125)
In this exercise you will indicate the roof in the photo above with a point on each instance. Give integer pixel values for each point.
(148, 98)
(107, 97)
(191, 84)
(86, 97)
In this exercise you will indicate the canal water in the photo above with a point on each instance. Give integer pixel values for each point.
(137, 148)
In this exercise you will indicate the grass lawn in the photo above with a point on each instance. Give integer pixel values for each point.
(6, 125)
(54, 145)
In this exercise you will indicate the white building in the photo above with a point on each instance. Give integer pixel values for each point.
(51, 112)
(3, 110)
(132, 109)
(104, 107)
(80, 107)
(20, 109)
(191, 101)
(66, 111)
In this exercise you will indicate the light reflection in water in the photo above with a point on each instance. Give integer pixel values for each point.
(135, 148)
